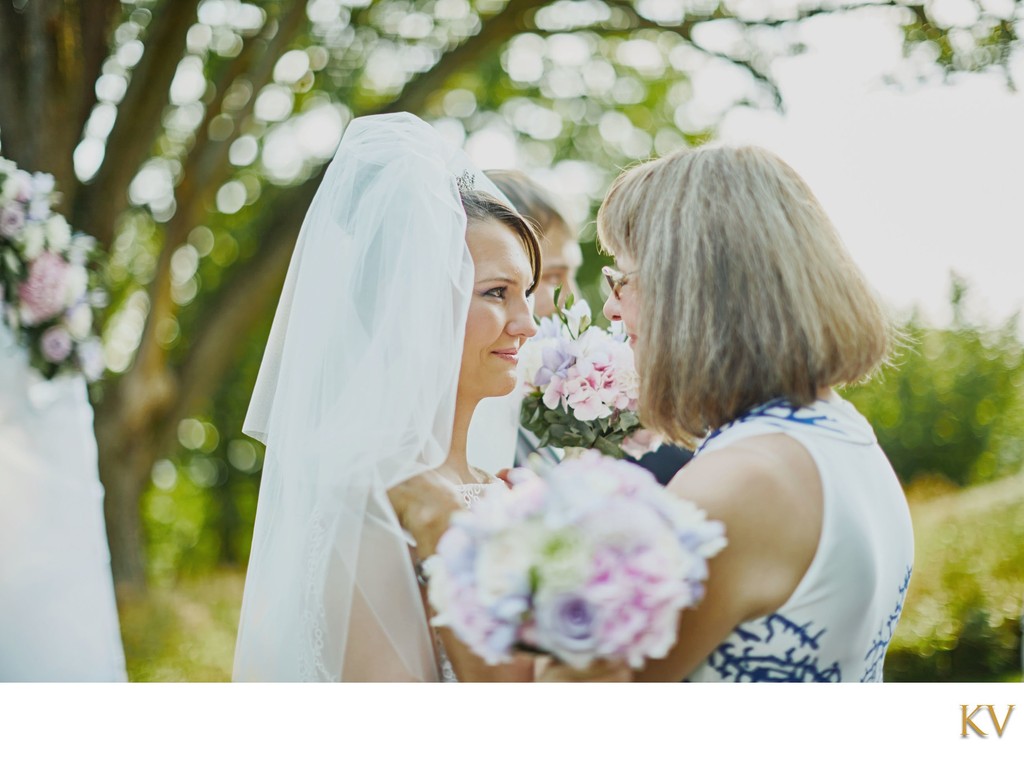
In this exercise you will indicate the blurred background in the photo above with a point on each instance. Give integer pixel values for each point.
(190, 136)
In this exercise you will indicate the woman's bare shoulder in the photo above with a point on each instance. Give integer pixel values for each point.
(768, 470)
(767, 492)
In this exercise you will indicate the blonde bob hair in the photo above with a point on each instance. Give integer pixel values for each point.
(746, 292)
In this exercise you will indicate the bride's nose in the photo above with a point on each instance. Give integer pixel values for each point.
(521, 321)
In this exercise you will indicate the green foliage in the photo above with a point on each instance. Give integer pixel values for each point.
(963, 611)
(200, 510)
(953, 405)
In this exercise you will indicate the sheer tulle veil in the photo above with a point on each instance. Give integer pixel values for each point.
(356, 393)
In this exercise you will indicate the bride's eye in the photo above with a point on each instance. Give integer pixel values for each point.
(498, 292)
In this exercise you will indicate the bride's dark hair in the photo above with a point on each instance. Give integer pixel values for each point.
(482, 207)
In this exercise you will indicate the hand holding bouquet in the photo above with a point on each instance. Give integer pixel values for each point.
(593, 561)
(45, 298)
(582, 387)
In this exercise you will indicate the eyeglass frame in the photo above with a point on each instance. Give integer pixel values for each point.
(616, 280)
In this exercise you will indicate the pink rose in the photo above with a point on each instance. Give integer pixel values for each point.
(56, 344)
(43, 294)
(582, 395)
(553, 395)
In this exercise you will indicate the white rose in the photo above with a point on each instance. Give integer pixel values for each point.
(34, 240)
(76, 282)
(503, 564)
(576, 315)
(58, 233)
(80, 247)
(90, 354)
(43, 183)
(17, 186)
(79, 321)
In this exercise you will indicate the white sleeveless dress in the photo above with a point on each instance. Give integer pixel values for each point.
(839, 621)
(58, 616)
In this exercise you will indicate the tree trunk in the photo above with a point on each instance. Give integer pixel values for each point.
(125, 471)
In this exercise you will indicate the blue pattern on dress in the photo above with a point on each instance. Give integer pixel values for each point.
(746, 661)
(782, 410)
(875, 657)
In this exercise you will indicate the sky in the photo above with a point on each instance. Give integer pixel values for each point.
(920, 181)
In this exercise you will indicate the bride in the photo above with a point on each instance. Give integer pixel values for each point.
(403, 309)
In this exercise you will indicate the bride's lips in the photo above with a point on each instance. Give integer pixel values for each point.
(508, 354)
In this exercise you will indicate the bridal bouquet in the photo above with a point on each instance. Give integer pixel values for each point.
(45, 296)
(582, 387)
(594, 560)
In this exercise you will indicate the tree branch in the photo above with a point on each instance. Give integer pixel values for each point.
(96, 20)
(139, 119)
(12, 62)
(241, 302)
(239, 305)
(206, 168)
(493, 30)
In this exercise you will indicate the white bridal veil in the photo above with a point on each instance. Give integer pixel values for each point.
(355, 394)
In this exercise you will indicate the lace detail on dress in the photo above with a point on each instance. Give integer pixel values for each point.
(311, 665)
(471, 493)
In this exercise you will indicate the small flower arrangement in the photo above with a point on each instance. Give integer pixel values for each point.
(45, 294)
(593, 560)
(581, 386)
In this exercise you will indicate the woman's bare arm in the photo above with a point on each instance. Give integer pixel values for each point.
(767, 492)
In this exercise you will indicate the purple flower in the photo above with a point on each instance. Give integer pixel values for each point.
(567, 626)
(12, 220)
(56, 344)
(548, 328)
(556, 361)
(593, 559)
(43, 294)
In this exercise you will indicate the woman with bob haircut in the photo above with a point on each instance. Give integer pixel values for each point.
(745, 310)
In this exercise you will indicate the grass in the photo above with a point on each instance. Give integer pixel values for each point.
(183, 633)
(964, 606)
(960, 623)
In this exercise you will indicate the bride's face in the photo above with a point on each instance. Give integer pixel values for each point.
(500, 318)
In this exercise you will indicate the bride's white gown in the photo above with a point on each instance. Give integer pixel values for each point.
(58, 617)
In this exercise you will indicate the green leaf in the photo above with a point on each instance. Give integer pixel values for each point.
(610, 449)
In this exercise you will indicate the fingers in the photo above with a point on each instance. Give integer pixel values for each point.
(549, 670)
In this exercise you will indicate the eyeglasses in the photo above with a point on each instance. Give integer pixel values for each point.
(616, 280)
